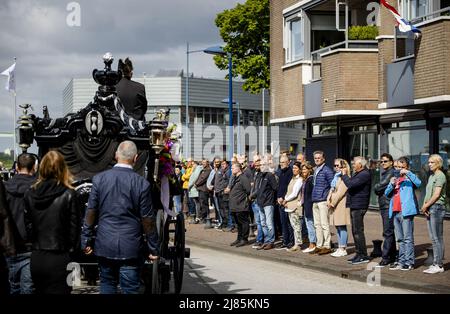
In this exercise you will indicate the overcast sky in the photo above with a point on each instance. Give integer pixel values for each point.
(153, 33)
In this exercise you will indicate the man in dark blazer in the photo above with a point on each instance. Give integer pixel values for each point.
(358, 197)
(131, 93)
(120, 199)
(200, 185)
(239, 192)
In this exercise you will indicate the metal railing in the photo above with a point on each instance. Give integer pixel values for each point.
(316, 55)
(432, 15)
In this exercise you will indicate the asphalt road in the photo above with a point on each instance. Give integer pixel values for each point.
(212, 271)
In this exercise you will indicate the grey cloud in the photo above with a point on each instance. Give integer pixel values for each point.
(49, 53)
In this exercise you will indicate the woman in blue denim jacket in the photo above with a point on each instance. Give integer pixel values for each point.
(403, 207)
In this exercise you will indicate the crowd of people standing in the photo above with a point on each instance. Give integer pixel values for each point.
(299, 202)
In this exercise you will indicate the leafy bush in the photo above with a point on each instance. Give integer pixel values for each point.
(367, 32)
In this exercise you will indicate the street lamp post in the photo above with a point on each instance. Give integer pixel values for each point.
(263, 135)
(226, 101)
(218, 50)
(188, 144)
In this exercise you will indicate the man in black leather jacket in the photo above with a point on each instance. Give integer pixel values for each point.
(389, 249)
(19, 264)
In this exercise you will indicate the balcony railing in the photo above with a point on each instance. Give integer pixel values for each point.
(316, 56)
(432, 15)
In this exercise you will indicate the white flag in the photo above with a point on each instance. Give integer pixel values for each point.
(11, 83)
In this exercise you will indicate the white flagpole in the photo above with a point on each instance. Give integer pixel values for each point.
(14, 121)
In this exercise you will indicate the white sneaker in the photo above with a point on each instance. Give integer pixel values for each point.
(307, 250)
(396, 267)
(340, 252)
(434, 269)
(336, 253)
(294, 248)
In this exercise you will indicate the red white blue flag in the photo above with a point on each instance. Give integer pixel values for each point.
(403, 25)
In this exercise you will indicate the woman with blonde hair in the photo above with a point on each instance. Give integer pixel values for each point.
(339, 212)
(434, 208)
(52, 214)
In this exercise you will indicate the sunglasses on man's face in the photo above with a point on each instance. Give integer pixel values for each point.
(384, 161)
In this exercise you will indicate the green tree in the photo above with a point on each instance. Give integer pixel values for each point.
(245, 30)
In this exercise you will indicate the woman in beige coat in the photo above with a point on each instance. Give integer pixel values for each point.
(339, 213)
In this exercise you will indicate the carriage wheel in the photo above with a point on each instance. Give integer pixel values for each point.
(178, 259)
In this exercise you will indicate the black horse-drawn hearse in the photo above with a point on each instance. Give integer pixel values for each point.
(88, 140)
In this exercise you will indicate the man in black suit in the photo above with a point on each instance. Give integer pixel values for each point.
(131, 93)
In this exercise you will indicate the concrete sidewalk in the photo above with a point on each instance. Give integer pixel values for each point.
(413, 280)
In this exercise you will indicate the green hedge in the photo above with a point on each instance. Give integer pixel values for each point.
(366, 32)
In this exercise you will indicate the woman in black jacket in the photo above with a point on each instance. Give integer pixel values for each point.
(53, 219)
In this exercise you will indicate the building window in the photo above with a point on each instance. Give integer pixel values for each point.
(444, 151)
(199, 115)
(412, 142)
(404, 44)
(411, 9)
(364, 142)
(294, 41)
(323, 129)
(206, 116)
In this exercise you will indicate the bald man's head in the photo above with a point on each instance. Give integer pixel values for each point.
(126, 152)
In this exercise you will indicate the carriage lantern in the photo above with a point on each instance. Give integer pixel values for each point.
(158, 134)
(25, 129)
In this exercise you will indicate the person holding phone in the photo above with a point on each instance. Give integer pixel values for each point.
(403, 207)
(434, 208)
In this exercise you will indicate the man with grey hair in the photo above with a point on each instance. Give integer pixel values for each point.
(358, 196)
(120, 200)
(284, 177)
(239, 192)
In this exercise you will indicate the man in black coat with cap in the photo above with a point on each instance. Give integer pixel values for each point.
(131, 93)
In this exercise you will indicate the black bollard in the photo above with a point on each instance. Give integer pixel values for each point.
(430, 258)
(376, 249)
(208, 224)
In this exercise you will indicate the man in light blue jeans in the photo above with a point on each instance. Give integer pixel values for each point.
(267, 224)
(257, 216)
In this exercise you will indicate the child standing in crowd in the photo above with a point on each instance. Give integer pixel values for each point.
(403, 207)
(434, 208)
